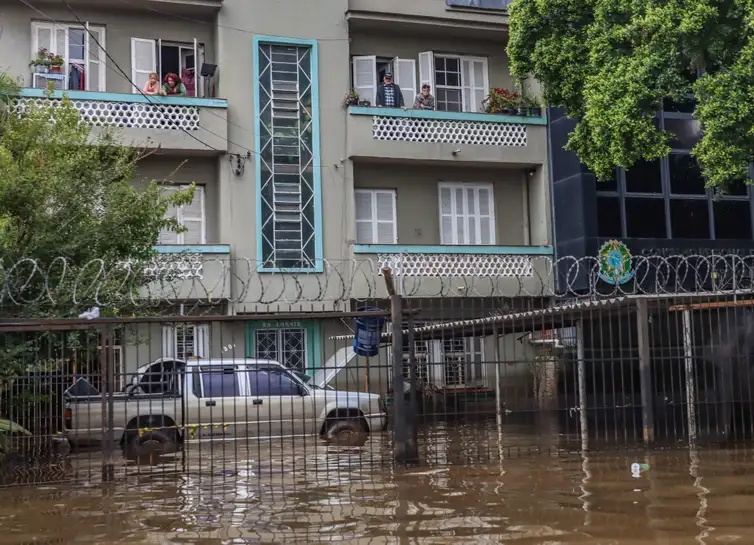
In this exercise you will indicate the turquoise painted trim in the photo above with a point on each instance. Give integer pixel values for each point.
(124, 97)
(198, 249)
(448, 116)
(483, 250)
(313, 331)
(318, 232)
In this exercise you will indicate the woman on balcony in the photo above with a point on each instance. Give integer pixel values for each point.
(173, 86)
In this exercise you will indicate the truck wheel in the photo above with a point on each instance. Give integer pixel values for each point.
(149, 446)
(351, 433)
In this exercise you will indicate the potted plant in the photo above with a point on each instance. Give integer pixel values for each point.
(530, 106)
(46, 61)
(501, 101)
(351, 99)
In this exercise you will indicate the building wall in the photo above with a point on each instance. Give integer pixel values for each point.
(417, 197)
(120, 26)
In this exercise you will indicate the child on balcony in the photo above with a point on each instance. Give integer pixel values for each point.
(152, 86)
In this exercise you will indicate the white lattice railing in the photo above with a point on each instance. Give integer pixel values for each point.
(170, 267)
(444, 265)
(447, 131)
(101, 113)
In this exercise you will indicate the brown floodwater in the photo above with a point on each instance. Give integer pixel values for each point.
(467, 491)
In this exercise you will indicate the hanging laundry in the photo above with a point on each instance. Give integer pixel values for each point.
(76, 78)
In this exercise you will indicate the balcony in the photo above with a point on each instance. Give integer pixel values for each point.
(185, 273)
(196, 8)
(449, 270)
(447, 17)
(172, 124)
(451, 137)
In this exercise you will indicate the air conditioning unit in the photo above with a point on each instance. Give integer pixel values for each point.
(42, 81)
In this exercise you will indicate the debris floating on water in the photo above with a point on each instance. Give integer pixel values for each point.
(637, 469)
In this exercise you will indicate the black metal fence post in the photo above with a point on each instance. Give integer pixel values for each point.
(108, 380)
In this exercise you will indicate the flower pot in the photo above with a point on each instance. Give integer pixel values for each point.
(508, 111)
(535, 112)
(521, 110)
(55, 69)
(353, 102)
(40, 68)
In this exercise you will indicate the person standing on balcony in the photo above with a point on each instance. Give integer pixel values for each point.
(173, 86)
(424, 100)
(389, 94)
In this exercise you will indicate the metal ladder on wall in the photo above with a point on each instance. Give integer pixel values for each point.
(287, 203)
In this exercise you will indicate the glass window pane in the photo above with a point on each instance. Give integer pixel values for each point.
(685, 176)
(645, 218)
(689, 219)
(268, 382)
(220, 383)
(732, 219)
(735, 189)
(608, 217)
(687, 132)
(76, 43)
(644, 177)
(608, 185)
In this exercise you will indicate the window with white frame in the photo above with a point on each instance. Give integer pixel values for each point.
(376, 216)
(191, 216)
(163, 57)
(466, 213)
(460, 82)
(78, 45)
(185, 340)
(368, 72)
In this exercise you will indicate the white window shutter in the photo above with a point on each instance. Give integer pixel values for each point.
(170, 237)
(192, 218)
(201, 341)
(486, 216)
(386, 224)
(466, 85)
(168, 342)
(480, 86)
(364, 219)
(96, 58)
(447, 212)
(405, 77)
(427, 70)
(42, 36)
(365, 77)
(143, 61)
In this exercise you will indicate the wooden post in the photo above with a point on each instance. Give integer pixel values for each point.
(405, 447)
(645, 371)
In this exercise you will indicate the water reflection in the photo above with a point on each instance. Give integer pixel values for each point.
(308, 493)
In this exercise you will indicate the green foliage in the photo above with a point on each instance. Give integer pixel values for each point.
(612, 63)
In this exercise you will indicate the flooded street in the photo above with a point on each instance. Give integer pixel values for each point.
(305, 492)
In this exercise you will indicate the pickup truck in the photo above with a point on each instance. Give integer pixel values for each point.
(200, 400)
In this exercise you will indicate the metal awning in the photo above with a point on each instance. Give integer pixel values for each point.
(555, 317)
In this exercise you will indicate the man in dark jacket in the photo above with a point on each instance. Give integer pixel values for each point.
(389, 94)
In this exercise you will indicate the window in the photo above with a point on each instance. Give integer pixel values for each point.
(466, 214)
(288, 165)
(191, 216)
(376, 216)
(184, 341)
(460, 82)
(161, 378)
(164, 57)
(369, 71)
(220, 382)
(272, 382)
(283, 345)
(78, 49)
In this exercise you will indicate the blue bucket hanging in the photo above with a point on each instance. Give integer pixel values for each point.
(366, 340)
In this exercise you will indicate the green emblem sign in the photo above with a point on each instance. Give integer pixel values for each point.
(615, 263)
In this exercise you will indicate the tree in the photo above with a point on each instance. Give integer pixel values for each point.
(66, 194)
(611, 63)
(71, 215)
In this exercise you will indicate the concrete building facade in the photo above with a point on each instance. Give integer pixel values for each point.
(294, 182)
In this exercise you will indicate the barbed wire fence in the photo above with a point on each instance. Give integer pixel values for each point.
(200, 280)
(482, 343)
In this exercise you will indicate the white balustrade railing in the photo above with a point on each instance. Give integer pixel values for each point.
(102, 113)
(448, 131)
(458, 265)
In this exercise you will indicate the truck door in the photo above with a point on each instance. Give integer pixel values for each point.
(216, 405)
(285, 406)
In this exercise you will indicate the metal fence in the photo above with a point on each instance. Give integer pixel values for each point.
(267, 380)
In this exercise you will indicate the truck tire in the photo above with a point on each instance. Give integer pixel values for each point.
(149, 446)
(349, 432)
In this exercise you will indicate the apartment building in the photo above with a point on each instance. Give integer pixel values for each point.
(291, 179)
